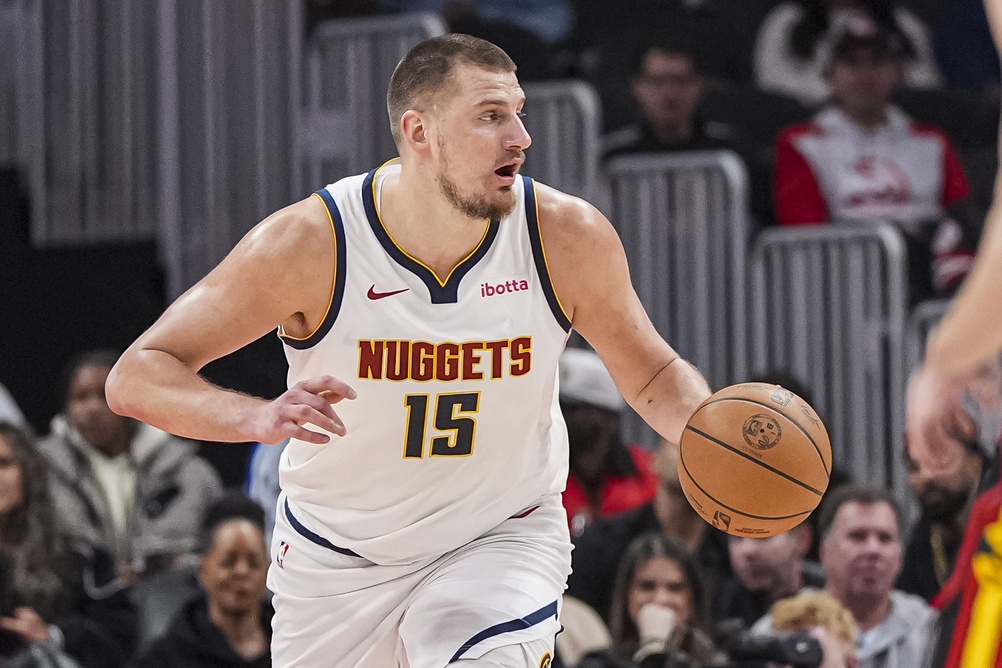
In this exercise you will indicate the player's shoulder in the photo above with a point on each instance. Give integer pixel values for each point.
(296, 227)
(567, 217)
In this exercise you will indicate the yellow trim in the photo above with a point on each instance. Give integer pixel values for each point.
(542, 249)
(441, 283)
(281, 328)
(981, 646)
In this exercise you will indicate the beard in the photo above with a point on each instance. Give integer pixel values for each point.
(940, 504)
(493, 206)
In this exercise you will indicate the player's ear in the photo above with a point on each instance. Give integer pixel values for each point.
(414, 129)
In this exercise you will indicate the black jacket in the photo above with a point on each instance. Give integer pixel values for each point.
(193, 641)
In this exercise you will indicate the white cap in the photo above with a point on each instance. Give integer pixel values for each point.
(584, 378)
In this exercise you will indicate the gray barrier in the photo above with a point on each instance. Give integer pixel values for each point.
(828, 306)
(344, 128)
(684, 223)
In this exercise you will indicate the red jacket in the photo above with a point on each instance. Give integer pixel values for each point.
(621, 492)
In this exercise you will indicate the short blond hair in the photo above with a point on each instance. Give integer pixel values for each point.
(816, 608)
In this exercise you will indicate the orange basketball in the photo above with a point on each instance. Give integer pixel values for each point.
(754, 460)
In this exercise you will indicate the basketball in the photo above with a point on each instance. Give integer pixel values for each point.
(754, 460)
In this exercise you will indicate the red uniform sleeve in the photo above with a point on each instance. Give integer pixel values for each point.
(798, 196)
(955, 186)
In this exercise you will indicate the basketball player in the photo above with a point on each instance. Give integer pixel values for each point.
(968, 338)
(420, 523)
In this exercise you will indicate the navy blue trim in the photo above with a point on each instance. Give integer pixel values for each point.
(540, 615)
(339, 278)
(312, 537)
(536, 242)
(440, 294)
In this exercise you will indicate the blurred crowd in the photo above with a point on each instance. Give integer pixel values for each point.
(120, 545)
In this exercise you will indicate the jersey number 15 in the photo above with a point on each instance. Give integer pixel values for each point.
(458, 431)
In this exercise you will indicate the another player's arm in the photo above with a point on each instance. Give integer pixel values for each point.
(589, 270)
(281, 273)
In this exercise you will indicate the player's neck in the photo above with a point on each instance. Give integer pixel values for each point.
(424, 224)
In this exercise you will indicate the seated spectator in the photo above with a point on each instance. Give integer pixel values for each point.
(122, 485)
(229, 624)
(667, 85)
(795, 42)
(57, 596)
(861, 158)
(818, 613)
(600, 548)
(765, 571)
(606, 477)
(946, 495)
(659, 614)
(861, 551)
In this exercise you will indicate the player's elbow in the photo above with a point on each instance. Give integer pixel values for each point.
(116, 390)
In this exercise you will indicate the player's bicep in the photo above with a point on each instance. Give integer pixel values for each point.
(277, 274)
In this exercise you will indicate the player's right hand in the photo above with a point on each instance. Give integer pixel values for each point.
(305, 403)
(936, 423)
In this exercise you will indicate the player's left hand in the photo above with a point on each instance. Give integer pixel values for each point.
(936, 423)
(27, 624)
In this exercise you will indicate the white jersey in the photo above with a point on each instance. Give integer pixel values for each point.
(456, 426)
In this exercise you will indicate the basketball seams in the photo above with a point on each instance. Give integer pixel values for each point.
(681, 460)
(745, 455)
(773, 408)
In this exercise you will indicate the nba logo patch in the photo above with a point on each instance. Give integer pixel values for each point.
(283, 547)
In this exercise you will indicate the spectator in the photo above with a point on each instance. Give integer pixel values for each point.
(861, 158)
(667, 84)
(229, 624)
(659, 614)
(606, 477)
(597, 553)
(120, 484)
(795, 43)
(765, 571)
(861, 551)
(818, 613)
(945, 499)
(57, 596)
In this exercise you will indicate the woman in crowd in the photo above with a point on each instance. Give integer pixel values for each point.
(56, 596)
(228, 624)
(658, 615)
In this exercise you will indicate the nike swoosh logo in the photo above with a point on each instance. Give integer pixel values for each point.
(372, 294)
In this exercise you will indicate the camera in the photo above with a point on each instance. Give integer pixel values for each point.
(798, 650)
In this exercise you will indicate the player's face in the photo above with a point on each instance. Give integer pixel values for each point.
(88, 411)
(668, 88)
(11, 479)
(661, 581)
(480, 142)
(234, 570)
(862, 552)
(764, 564)
(864, 82)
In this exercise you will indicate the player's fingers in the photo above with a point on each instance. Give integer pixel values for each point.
(303, 434)
(329, 386)
(323, 417)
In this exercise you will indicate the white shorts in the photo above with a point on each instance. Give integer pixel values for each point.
(340, 610)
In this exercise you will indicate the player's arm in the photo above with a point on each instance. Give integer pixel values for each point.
(589, 270)
(281, 273)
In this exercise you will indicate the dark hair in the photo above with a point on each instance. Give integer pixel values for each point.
(815, 22)
(103, 357)
(232, 505)
(32, 548)
(641, 550)
(866, 496)
(426, 71)
(675, 46)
